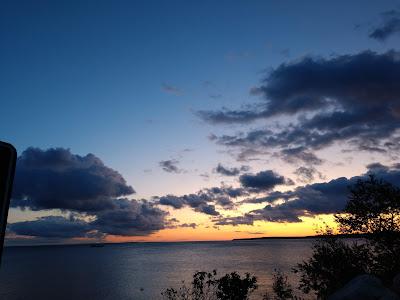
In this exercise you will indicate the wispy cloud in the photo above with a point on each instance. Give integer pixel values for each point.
(171, 89)
(170, 166)
(389, 26)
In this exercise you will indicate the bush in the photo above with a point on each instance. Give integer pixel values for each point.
(373, 210)
(205, 286)
(231, 286)
(333, 263)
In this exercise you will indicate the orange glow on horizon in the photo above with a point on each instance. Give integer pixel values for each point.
(207, 232)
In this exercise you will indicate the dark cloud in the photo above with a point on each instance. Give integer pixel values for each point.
(188, 225)
(130, 218)
(170, 166)
(51, 227)
(246, 219)
(127, 218)
(207, 209)
(205, 200)
(309, 200)
(300, 154)
(390, 25)
(171, 200)
(226, 191)
(307, 174)
(377, 167)
(230, 171)
(265, 180)
(58, 179)
(199, 202)
(81, 185)
(346, 98)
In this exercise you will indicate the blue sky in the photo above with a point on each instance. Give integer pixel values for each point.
(124, 79)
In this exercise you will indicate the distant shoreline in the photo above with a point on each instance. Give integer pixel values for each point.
(211, 241)
(302, 237)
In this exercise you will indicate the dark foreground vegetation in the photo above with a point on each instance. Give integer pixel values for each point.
(370, 263)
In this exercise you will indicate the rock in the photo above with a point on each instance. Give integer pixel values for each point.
(364, 287)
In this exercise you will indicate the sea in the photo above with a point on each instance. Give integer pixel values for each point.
(140, 270)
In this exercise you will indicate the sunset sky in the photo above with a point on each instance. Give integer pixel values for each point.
(184, 120)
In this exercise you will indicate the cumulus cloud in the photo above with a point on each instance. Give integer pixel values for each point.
(58, 179)
(389, 26)
(170, 166)
(199, 202)
(309, 200)
(205, 200)
(230, 171)
(83, 185)
(52, 227)
(130, 218)
(347, 98)
(265, 180)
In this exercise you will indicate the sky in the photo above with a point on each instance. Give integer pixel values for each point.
(194, 120)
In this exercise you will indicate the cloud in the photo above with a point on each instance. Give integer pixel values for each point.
(130, 218)
(230, 171)
(171, 89)
(389, 26)
(57, 179)
(176, 202)
(188, 225)
(86, 188)
(300, 154)
(51, 227)
(173, 223)
(265, 180)
(353, 99)
(205, 200)
(170, 166)
(199, 202)
(309, 200)
(307, 174)
(246, 219)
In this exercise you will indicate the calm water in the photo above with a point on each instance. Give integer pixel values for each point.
(121, 271)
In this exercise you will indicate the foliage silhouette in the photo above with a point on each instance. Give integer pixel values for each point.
(333, 263)
(373, 210)
(282, 290)
(206, 286)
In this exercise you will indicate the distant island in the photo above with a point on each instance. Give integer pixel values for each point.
(302, 237)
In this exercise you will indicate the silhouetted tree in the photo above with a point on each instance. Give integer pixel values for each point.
(205, 286)
(333, 263)
(373, 210)
(281, 289)
(232, 286)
